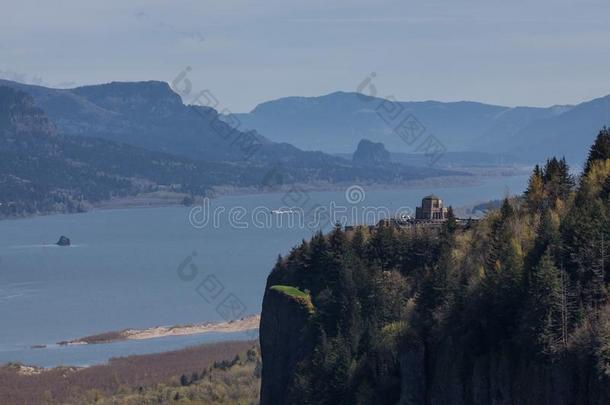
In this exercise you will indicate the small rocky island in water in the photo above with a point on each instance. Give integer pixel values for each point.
(63, 241)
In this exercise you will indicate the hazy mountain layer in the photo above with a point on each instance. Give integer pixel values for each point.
(336, 122)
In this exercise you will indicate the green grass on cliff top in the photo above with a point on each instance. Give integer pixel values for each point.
(291, 291)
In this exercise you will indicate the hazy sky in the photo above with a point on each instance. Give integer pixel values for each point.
(536, 52)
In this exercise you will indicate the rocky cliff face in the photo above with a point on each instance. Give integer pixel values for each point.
(442, 374)
(149, 100)
(446, 373)
(284, 342)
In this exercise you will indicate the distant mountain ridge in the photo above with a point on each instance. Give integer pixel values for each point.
(146, 114)
(565, 134)
(149, 114)
(85, 159)
(336, 122)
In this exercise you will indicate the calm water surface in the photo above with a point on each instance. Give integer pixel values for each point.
(122, 271)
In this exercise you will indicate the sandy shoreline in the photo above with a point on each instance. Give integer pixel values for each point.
(238, 325)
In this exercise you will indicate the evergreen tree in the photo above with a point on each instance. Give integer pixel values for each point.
(318, 262)
(383, 247)
(506, 211)
(433, 295)
(584, 232)
(548, 238)
(605, 194)
(546, 315)
(358, 242)
(337, 241)
(341, 310)
(419, 250)
(565, 180)
(534, 194)
(450, 225)
(558, 182)
(503, 283)
(184, 380)
(600, 149)
(551, 170)
(499, 229)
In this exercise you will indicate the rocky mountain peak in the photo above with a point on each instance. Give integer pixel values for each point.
(142, 98)
(369, 152)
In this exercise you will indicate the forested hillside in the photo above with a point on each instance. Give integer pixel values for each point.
(43, 170)
(512, 310)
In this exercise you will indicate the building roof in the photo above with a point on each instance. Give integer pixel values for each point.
(431, 197)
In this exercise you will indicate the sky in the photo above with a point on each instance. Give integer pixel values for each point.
(536, 52)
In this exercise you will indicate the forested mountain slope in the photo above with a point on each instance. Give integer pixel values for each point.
(512, 310)
(43, 170)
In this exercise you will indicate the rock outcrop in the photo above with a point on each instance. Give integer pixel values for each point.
(371, 153)
(284, 342)
(63, 241)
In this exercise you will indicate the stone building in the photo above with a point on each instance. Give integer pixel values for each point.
(431, 209)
